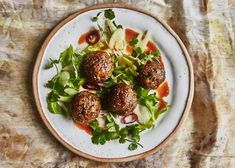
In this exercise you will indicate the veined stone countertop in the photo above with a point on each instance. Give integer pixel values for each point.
(207, 139)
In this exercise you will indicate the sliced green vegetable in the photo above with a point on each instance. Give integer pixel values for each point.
(111, 26)
(96, 47)
(124, 61)
(117, 40)
(65, 98)
(142, 43)
(143, 114)
(70, 91)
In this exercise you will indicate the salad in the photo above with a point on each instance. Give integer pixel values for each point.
(114, 87)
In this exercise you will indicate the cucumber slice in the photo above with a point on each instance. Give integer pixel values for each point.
(143, 42)
(117, 40)
(126, 62)
(63, 78)
(70, 91)
(143, 114)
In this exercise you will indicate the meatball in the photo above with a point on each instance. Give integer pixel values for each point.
(98, 66)
(151, 75)
(122, 99)
(86, 107)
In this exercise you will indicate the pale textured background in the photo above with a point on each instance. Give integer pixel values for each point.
(207, 139)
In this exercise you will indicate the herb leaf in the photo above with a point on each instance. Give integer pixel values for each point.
(112, 131)
(95, 18)
(149, 100)
(117, 26)
(53, 63)
(109, 14)
(66, 56)
(138, 51)
(54, 106)
(134, 42)
(132, 146)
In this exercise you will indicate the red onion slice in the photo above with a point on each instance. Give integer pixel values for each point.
(129, 118)
(90, 85)
(93, 37)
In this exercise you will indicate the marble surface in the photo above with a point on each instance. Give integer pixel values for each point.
(207, 139)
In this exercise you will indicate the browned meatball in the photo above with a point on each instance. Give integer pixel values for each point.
(122, 99)
(151, 75)
(98, 67)
(86, 107)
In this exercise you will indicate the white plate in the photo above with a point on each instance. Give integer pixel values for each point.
(179, 75)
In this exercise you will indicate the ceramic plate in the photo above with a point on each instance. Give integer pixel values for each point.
(179, 75)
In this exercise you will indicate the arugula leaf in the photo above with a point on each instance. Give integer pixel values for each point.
(109, 14)
(66, 56)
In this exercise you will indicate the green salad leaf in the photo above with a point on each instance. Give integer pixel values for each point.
(112, 131)
(66, 83)
(124, 71)
(147, 99)
(66, 56)
(53, 62)
(134, 42)
(109, 14)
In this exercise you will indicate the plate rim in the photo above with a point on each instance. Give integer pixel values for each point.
(71, 147)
